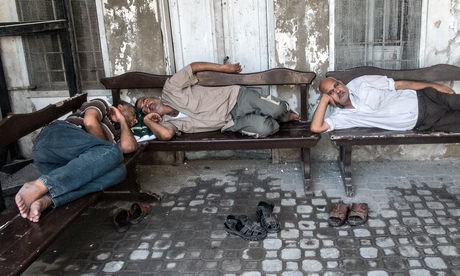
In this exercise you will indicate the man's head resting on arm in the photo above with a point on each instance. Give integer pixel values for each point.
(150, 104)
(128, 111)
(337, 91)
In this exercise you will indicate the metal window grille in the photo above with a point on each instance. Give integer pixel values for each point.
(43, 53)
(377, 33)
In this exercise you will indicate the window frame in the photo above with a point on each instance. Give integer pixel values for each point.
(332, 30)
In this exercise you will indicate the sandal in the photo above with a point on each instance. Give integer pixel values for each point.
(138, 211)
(337, 215)
(266, 218)
(358, 214)
(120, 219)
(241, 226)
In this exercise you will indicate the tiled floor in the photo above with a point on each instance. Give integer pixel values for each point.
(413, 227)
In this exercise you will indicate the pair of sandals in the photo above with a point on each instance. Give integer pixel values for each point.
(122, 219)
(356, 215)
(241, 226)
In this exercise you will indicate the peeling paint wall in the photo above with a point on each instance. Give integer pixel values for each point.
(134, 36)
(134, 32)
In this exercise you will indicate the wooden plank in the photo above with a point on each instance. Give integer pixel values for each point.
(16, 126)
(290, 135)
(375, 136)
(23, 241)
(440, 72)
(141, 80)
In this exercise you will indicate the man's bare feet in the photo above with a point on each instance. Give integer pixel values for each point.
(30, 192)
(37, 207)
(294, 116)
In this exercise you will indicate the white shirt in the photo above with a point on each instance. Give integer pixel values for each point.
(376, 104)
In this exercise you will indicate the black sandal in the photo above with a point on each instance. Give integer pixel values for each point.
(266, 218)
(242, 227)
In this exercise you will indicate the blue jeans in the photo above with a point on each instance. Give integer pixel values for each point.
(74, 163)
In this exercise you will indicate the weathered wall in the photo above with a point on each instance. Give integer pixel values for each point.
(135, 34)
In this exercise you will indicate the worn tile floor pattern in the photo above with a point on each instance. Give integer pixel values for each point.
(413, 227)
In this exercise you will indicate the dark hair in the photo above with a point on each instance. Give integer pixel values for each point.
(123, 103)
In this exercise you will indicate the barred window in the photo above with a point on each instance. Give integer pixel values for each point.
(381, 33)
(44, 53)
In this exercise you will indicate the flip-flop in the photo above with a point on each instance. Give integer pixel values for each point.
(358, 214)
(120, 219)
(338, 215)
(266, 218)
(138, 211)
(242, 227)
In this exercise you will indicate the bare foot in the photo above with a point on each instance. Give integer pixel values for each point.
(30, 192)
(37, 207)
(294, 116)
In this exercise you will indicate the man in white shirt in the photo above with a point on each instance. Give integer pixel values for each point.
(378, 101)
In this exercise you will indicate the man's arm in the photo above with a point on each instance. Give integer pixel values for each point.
(161, 132)
(127, 142)
(209, 66)
(318, 124)
(92, 122)
(418, 85)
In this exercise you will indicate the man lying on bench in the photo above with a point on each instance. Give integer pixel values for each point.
(78, 156)
(189, 108)
(378, 101)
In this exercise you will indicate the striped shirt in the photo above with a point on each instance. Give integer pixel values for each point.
(111, 129)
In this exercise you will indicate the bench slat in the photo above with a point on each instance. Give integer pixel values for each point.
(439, 72)
(281, 76)
(23, 241)
(16, 126)
(290, 135)
(375, 136)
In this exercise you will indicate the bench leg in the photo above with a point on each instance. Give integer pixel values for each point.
(306, 172)
(344, 161)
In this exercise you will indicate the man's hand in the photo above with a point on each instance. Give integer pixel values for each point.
(443, 88)
(155, 117)
(234, 68)
(116, 115)
(318, 124)
(418, 85)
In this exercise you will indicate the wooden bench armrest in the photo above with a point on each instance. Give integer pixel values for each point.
(15, 126)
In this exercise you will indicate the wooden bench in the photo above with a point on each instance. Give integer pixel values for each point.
(347, 138)
(290, 135)
(23, 241)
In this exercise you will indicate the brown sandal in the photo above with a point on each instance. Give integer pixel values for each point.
(337, 215)
(358, 214)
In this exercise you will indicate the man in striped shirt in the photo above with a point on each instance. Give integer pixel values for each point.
(77, 156)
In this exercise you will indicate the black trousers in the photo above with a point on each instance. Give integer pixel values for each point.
(438, 111)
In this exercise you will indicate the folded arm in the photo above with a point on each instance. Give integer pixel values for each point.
(161, 132)
(127, 141)
(92, 122)
(418, 85)
(318, 124)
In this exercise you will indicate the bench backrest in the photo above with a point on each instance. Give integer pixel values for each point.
(15, 126)
(440, 72)
(277, 76)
